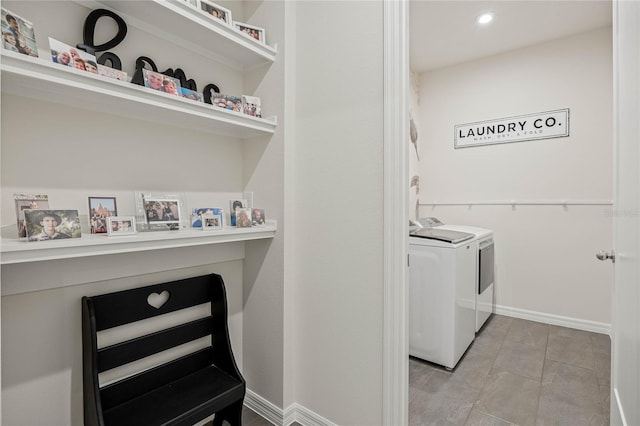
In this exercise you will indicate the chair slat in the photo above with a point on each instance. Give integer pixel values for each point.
(141, 347)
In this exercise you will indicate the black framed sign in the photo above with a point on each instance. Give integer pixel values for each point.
(541, 125)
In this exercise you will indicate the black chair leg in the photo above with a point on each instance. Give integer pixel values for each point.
(232, 414)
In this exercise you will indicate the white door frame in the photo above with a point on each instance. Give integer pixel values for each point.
(395, 360)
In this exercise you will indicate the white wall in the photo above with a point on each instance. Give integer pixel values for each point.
(545, 254)
(71, 153)
(338, 210)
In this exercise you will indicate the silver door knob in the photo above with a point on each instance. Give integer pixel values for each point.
(603, 255)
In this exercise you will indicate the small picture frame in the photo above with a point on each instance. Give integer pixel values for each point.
(258, 217)
(228, 102)
(18, 34)
(243, 218)
(191, 94)
(161, 83)
(28, 201)
(69, 56)
(44, 225)
(251, 106)
(100, 209)
(212, 222)
(162, 211)
(109, 72)
(198, 212)
(233, 206)
(193, 3)
(251, 31)
(121, 225)
(215, 11)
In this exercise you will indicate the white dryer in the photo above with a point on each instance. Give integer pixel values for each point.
(485, 267)
(442, 266)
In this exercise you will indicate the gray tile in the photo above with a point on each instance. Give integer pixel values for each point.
(510, 397)
(569, 396)
(520, 358)
(531, 333)
(496, 325)
(442, 400)
(250, 418)
(478, 418)
(601, 343)
(419, 372)
(570, 346)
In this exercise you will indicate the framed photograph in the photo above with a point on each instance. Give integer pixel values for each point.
(198, 212)
(193, 3)
(100, 209)
(158, 211)
(255, 33)
(161, 83)
(69, 56)
(251, 106)
(28, 201)
(231, 103)
(216, 11)
(243, 218)
(43, 225)
(121, 225)
(257, 217)
(234, 205)
(191, 94)
(18, 34)
(212, 222)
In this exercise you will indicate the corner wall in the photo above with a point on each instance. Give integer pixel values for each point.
(545, 255)
(338, 219)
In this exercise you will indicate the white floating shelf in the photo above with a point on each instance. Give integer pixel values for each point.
(43, 80)
(183, 24)
(20, 251)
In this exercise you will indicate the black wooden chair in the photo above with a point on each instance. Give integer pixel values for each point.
(180, 392)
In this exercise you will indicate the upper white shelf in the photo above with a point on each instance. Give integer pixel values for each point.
(181, 23)
(17, 251)
(43, 80)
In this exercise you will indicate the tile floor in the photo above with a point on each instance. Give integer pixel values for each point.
(517, 372)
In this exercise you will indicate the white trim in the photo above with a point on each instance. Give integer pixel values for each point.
(264, 408)
(617, 415)
(395, 359)
(580, 324)
(300, 414)
(275, 415)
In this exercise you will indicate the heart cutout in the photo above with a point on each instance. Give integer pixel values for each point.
(158, 300)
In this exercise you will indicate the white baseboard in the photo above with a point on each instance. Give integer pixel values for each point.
(586, 325)
(264, 408)
(275, 415)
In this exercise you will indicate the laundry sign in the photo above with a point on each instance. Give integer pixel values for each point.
(542, 125)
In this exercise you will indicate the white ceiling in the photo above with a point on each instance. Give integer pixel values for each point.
(444, 32)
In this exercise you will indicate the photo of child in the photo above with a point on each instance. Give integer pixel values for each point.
(18, 34)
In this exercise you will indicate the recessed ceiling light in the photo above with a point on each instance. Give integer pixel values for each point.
(485, 18)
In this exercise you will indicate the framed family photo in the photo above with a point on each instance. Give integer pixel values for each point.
(121, 225)
(198, 212)
(243, 218)
(100, 209)
(255, 33)
(69, 56)
(28, 201)
(212, 222)
(251, 106)
(43, 225)
(162, 211)
(215, 11)
(18, 34)
(161, 83)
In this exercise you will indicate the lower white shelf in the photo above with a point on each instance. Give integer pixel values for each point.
(17, 251)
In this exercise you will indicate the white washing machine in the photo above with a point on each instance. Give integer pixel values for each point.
(442, 265)
(485, 267)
